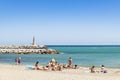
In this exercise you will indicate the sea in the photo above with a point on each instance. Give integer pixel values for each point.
(82, 55)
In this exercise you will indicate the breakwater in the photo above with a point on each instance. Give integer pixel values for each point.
(27, 50)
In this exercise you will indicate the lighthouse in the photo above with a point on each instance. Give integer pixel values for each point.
(34, 43)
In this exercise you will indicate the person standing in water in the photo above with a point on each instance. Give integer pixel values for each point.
(18, 60)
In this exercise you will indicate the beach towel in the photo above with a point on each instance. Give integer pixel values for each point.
(29, 67)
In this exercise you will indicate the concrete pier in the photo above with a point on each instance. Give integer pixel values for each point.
(38, 49)
(27, 50)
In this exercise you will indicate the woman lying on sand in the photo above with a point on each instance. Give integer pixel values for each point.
(36, 67)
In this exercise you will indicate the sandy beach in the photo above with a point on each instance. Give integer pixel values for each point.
(20, 72)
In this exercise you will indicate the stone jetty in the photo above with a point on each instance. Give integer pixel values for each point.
(27, 50)
(32, 49)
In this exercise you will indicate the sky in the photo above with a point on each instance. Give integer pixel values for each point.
(60, 22)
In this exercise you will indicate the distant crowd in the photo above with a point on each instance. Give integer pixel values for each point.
(53, 65)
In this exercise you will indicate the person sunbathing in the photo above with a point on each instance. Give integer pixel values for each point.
(103, 70)
(36, 66)
(45, 68)
(93, 70)
(75, 67)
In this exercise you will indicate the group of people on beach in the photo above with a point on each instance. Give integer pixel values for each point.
(52, 65)
(55, 66)
(102, 69)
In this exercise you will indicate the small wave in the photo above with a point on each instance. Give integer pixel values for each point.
(62, 53)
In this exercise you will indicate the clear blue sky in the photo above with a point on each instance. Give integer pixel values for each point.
(63, 22)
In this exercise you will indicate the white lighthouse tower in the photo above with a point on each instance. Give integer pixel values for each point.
(34, 42)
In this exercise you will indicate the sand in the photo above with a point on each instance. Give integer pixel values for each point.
(20, 72)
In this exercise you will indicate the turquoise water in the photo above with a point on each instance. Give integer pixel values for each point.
(81, 55)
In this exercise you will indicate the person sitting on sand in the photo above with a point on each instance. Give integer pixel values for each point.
(103, 70)
(75, 67)
(59, 67)
(36, 66)
(53, 62)
(93, 70)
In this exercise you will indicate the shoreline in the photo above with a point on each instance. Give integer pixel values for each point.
(19, 72)
(24, 65)
(45, 65)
